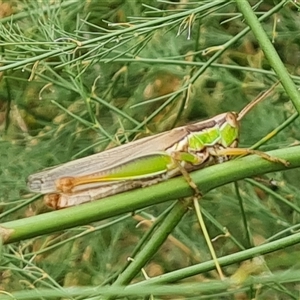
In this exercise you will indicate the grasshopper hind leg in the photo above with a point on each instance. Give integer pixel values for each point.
(246, 151)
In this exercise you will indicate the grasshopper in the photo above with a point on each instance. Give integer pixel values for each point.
(146, 161)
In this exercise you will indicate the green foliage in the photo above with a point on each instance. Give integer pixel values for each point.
(79, 77)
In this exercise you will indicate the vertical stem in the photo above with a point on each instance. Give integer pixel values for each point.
(158, 238)
(270, 52)
(207, 237)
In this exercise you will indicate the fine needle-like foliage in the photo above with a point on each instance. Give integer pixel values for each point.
(79, 77)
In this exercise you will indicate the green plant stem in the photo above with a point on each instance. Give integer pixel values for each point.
(270, 52)
(145, 239)
(274, 132)
(196, 289)
(176, 188)
(154, 61)
(243, 216)
(32, 12)
(158, 238)
(207, 64)
(276, 196)
(223, 261)
(72, 45)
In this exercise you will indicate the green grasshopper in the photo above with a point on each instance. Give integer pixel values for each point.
(146, 161)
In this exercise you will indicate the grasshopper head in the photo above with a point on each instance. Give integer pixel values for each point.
(230, 130)
(232, 119)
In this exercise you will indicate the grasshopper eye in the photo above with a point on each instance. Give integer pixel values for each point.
(231, 119)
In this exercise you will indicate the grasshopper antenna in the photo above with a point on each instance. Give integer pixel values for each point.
(260, 97)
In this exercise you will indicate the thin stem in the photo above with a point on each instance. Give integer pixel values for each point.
(270, 52)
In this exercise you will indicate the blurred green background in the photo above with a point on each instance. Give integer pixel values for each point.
(78, 77)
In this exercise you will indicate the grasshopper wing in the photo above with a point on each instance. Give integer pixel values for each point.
(44, 181)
